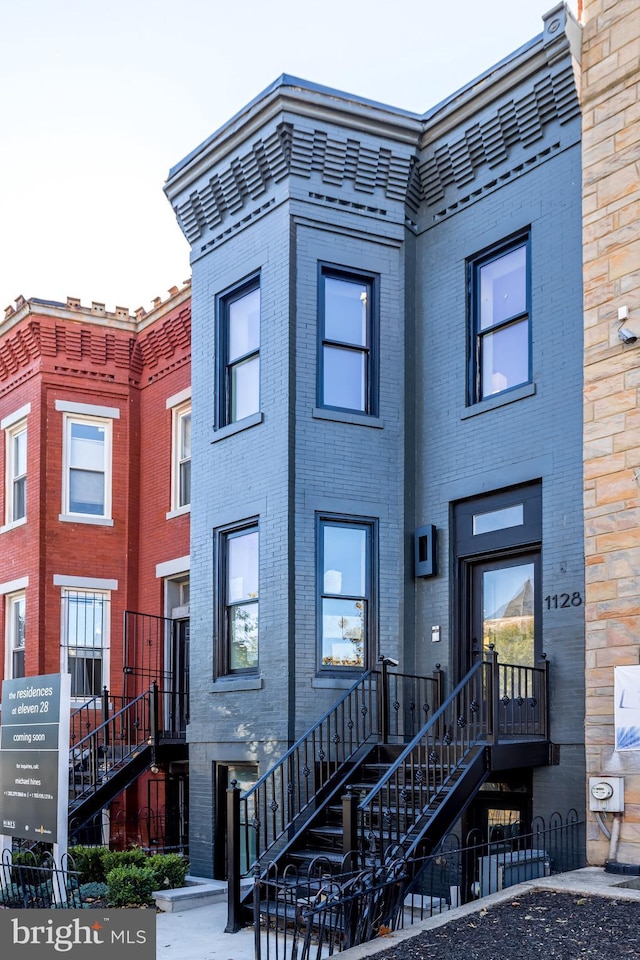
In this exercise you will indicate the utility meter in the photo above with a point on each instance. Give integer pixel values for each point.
(602, 790)
(606, 793)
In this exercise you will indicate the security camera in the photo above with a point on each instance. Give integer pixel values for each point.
(626, 336)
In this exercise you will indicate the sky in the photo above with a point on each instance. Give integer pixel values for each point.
(98, 100)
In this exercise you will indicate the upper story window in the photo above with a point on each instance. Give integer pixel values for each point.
(86, 462)
(240, 599)
(500, 320)
(15, 635)
(87, 467)
(16, 473)
(15, 432)
(346, 329)
(239, 353)
(345, 593)
(183, 457)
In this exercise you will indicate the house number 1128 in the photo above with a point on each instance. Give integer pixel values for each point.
(560, 600)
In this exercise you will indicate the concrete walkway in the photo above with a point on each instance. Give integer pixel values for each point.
(198, 934)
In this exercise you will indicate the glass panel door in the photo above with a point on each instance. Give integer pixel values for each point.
(504, 607)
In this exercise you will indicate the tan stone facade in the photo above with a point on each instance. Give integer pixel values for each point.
(611, 214)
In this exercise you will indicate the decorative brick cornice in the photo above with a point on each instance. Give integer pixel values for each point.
(298, 151)
(162, 341)
(92, 348)
(520, 121)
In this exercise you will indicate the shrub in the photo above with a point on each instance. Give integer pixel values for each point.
(130, 886)
(123, 858)
(89, 862)
(169, 870)
(93, 891)
(18, 895)
(26, 858)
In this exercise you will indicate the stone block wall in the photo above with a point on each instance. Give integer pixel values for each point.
(611, 208)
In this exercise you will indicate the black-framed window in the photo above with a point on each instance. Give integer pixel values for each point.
(500, 311)
(345, 583)
(239, 352)
(347, 340)
(239, 590)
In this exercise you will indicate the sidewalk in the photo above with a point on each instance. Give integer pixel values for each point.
(198, 934)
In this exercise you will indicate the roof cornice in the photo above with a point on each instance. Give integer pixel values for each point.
(290, 95)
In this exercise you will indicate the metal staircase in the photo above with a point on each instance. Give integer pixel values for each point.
(119, 745)
(113, 740)
(388, 791)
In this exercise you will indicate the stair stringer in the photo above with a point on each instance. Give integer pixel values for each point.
(115, 782)
(448, 804)
(303, 821)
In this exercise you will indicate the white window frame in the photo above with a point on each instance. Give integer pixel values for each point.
(180, 406)
(11, 604)
(14, 425)
(69, 592)
(69, 419)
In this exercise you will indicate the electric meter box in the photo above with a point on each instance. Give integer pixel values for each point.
(606, 793)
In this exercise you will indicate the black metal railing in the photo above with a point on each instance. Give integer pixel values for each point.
(325, 908)
(91, 714)
(432, 779)
(378, 707)
(28, 881)
(392, 818)
(155, 651)
(98, 755)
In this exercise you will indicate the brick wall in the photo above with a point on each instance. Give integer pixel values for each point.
(611, 208)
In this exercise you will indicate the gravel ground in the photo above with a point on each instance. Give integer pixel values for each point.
(540, 924)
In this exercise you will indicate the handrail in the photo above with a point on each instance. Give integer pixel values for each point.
(490, 702)
(95, 757)
(84, 718)
(292, 784)
(417, 740)
(378, 707)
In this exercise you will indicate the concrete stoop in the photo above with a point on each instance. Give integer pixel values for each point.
(198, 892)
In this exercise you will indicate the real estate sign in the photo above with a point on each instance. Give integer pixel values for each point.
(34, 749)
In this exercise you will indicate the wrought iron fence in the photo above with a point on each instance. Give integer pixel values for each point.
(29, 881)
(325, 908)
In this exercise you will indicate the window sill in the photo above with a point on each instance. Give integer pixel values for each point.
(491, 403)
(228, 431)
(13, 525)
(236, 684)
(97, 521)
(333, 683)
(343, 416)
(178, 512)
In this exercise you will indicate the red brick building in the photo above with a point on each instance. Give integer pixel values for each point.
(95, 434)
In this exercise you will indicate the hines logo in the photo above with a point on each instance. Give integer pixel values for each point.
(63, 937)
